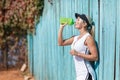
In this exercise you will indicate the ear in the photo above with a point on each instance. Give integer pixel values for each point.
(84, 24)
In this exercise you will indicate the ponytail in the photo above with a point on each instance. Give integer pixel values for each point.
(91, 30)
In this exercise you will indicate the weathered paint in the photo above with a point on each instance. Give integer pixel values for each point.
(48, 61)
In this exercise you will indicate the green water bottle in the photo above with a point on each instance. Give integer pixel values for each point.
(69, 21)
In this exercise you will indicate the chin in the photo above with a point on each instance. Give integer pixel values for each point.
(77, 27)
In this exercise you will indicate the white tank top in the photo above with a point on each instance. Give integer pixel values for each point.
(79, 46)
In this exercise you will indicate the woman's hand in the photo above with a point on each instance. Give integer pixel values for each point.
(63, 25)
(73, 52)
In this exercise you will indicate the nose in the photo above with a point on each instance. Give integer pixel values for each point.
(76, 20)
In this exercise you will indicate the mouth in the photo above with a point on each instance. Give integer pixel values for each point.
(76, 24)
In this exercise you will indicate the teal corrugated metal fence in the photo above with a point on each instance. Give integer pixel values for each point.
(48, 61)
(109, 68)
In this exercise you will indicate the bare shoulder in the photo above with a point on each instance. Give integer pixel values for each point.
(90, 40)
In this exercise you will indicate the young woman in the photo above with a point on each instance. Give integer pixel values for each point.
(83, 48)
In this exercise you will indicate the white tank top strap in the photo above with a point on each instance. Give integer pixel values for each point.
(82, 39)
(85, 37)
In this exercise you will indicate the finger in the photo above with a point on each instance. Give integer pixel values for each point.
(71, 52)
(64, 24)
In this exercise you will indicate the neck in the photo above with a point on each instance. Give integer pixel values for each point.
(82, 31)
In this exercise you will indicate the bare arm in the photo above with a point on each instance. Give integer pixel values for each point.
(93, 50)
(62, 42)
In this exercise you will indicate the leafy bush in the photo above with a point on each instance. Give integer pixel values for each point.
(23, 14)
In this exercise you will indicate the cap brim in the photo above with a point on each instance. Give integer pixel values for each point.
(77, 15)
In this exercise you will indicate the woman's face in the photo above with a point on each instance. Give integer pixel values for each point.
(79, 23)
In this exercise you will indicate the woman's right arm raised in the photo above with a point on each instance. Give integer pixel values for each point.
(62, 42)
